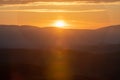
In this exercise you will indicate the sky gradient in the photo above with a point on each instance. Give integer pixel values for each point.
(83, 14)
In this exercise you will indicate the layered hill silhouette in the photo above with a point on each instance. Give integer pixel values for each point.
(99, 61)
(14, 36)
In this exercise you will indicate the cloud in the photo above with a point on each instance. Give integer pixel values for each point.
(75, 6)
(73, 3)
(2, 2)
(55, 10)
(16, 1)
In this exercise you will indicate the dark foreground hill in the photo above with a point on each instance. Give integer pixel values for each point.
(86, 64)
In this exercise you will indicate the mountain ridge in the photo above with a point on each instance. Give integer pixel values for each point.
(24, 36)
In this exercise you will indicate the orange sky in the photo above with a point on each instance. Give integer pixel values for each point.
(78, 14)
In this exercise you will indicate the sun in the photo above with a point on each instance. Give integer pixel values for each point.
(60, 24)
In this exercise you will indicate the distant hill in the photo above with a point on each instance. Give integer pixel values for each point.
(14, 36)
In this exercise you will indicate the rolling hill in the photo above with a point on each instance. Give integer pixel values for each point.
(14, 36)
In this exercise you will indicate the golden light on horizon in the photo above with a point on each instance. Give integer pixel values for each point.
(60, 24)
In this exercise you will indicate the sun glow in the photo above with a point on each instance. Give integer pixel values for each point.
(60, 24)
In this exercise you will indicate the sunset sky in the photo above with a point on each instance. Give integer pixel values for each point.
(83, 14)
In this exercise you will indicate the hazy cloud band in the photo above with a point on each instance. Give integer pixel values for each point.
(54, 10)
(2, 2)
